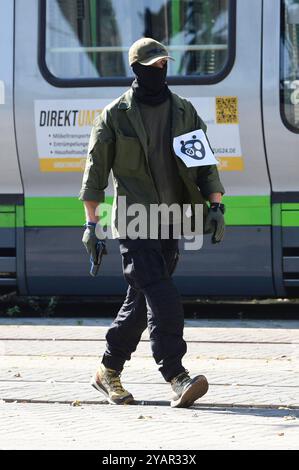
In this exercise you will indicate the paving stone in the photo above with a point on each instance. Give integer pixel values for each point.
(224, 395)
(200, 333)
(252, 403)
(198, 350)
(65, 369)
(102, 427)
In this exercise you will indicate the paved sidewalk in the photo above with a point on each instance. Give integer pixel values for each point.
(46, 401)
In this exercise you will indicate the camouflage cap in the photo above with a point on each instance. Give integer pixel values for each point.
(146, 51)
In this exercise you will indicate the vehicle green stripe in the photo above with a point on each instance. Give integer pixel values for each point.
(55, 211)
(276, 215)
(20, 216)
(69, 212)
(290, 214)
(289, 206)
(7, 208)
(290, 218)
(247, 210)
(7, 220)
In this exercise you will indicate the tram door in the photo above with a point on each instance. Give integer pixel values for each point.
(281, 127)
(10, 181)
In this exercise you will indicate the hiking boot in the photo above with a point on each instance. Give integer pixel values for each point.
(107, 381)
(187, 390)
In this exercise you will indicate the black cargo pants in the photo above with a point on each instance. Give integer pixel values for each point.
(152, 300)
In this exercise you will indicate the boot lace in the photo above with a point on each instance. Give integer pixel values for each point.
(115, 383)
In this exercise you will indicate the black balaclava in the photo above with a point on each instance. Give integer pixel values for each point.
(150, 86)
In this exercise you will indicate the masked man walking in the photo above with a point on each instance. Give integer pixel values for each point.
(133, 138)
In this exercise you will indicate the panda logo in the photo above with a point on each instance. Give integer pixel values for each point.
(193, 148)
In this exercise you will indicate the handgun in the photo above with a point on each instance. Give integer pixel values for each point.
(100, 251)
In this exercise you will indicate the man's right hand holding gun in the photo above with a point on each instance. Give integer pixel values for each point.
(95, 247)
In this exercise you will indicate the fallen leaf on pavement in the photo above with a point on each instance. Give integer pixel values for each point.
(76, 403)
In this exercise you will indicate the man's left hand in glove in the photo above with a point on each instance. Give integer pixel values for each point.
(215, 221)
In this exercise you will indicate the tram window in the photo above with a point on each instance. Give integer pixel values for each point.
(89, 39)
(289, 75)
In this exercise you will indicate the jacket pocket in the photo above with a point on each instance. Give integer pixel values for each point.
(128, 155)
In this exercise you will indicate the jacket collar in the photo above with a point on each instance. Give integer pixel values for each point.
(127, 100)
(177, 113)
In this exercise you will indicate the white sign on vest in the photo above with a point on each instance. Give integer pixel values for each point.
(194, 149)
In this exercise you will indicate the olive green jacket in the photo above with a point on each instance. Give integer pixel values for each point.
(118, 142)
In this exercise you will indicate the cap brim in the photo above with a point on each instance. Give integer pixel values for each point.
(152, 60)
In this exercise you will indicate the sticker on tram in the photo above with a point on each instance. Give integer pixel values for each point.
(221, 115)
(63, 129)
(62, 132)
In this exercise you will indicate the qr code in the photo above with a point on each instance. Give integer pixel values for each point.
(227, 110)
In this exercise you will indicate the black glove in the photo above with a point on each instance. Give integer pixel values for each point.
(215, 221)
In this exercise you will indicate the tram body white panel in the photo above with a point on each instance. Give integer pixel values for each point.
(243, 81)
(10, 180)
(282, 145)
